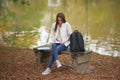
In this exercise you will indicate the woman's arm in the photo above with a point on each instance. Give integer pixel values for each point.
(69, 32)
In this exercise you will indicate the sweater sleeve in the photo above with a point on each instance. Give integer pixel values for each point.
(69, 32)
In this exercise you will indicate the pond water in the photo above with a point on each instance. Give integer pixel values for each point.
(97, 20)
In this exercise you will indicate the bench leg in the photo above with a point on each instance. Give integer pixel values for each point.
(82, 67)
(38, 59)
(42, 57)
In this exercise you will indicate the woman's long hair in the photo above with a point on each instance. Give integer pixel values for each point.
(62, 16)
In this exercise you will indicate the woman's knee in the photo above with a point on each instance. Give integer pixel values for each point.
(53, 44)
(61, 48)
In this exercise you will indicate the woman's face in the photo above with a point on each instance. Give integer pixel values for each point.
(59, 21)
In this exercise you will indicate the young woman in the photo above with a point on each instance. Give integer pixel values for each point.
(59, 37)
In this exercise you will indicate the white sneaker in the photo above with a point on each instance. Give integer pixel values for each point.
(58, 64)
(47, 71)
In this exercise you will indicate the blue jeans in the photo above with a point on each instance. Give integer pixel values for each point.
(56, 48)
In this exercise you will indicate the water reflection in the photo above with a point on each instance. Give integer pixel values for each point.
(43, 36)
(101, 47)
(53, 3)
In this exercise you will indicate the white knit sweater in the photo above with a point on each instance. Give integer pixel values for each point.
(65, 31)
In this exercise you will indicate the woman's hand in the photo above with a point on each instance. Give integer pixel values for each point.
(61, 42)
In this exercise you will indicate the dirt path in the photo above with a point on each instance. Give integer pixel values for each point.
(19, 64)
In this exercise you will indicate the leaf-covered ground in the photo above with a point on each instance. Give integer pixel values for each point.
(19, 64)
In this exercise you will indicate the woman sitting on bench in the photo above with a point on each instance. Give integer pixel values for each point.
(59, 37)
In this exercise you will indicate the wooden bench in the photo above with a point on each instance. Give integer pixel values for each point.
(80, 61)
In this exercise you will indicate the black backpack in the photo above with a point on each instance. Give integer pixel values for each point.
(76, 42)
